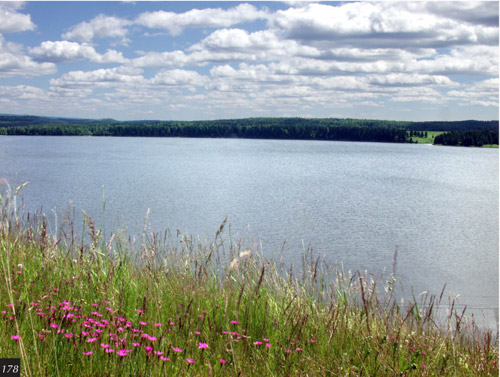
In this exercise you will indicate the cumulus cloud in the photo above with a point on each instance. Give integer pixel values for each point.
(99, 77)
(14, 62)
(11, 21)
(101, 26)
(384, 24)
(175, 23)
(65, 51)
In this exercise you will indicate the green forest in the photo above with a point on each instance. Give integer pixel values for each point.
(462, 133)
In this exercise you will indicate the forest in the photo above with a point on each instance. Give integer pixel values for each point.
(465, 133)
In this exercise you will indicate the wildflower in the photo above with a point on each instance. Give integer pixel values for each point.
(203, 345)
(190, 361)
(142, 323)
(176, 349)
(158, 353)
(288, 351)
(85, 333)
(88, 353)
(164, 358)
(265, 340)
(15, 337)
(33, 303)
(222, 361)
(109, 350)
(313, 341)
(41, 336)
(268, 345)
(157, 325)
(54, 325)
(298, 349)
(197, 333)
(148, 349)
(105, 345)
(136, 344)
(234, 322)
(123, 352)
(68, 335)
(140, 311)
(90, 340)
(257, 343)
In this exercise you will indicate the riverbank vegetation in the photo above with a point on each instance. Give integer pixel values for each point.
(255, 128)
(174, 305)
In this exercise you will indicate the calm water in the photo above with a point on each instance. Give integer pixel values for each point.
(352, 202)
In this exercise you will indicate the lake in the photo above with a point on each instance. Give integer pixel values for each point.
(354, 203)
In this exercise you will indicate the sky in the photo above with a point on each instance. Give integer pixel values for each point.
(410, 60)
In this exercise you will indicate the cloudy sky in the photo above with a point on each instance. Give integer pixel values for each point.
(211, 60)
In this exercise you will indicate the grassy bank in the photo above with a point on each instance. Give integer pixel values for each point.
(173, 305)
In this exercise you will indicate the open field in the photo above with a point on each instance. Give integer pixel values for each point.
(174, 305)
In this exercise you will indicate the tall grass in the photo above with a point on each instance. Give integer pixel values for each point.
(176, 306)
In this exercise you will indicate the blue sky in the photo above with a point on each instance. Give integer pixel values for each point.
(212, 60)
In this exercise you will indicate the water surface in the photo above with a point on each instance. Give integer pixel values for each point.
(353, 202)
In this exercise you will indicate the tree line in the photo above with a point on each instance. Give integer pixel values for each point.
(346, 129)
(472, 138)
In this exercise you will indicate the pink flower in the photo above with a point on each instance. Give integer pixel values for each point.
(88, 353)
(105, 345)
(136, 344)
(15, 337)
(234, 322)
(164, 358)
(148, 349)
(257, 343)
(197, 333)
(298, 349)
(90, 340)
(176, 349)
(142, 323)
(41, 336)
(288, 351)
(222, 361)
(190, 361)
(68, 335)
(158, 353)
(157, 324)
(268, 345)
(123, 352)
(313, 341)
(203, 345)
(54, 325)
(140, 311)
(109, 350)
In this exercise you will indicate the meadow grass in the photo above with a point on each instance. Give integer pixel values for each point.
(426, 140)
(175, 306)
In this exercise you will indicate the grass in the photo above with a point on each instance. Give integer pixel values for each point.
(425, 140)
(176, 306)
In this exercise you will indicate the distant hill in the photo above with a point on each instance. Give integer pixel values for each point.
(346, 129)
(8, 120)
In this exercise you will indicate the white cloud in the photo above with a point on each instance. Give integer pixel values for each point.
(178, 77)
(11, 21)
(101, 26)
(13, 62)
(99, 78)
(65, 51)
(384, 24)
(175, 23)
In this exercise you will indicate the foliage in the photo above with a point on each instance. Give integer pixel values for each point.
(261, 128)
(467, 138)
(178, 306)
